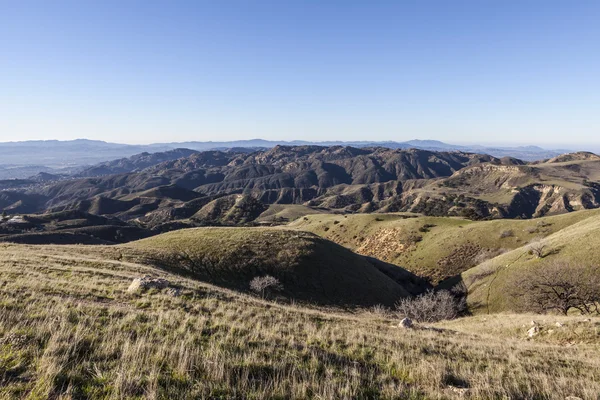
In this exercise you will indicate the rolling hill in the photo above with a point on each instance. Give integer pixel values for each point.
(311, 269)
(436, 248)
(492, 283)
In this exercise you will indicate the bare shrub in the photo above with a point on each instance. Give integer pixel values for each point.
(433, 306)
(264, 285)
(507, 234)
(561, 287)
(537, 248)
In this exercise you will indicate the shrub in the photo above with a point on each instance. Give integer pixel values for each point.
(537, 248)
(264, 285)
(507, 234)
(433, 306)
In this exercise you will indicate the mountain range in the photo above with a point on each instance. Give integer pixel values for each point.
(182, 187)
(63, 155)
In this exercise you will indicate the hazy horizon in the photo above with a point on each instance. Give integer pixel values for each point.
(509, 73)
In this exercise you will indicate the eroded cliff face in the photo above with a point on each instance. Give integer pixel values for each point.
(538, 200)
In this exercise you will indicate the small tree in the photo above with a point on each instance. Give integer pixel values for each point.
(265, 284)
(4, 215)
(561, 287)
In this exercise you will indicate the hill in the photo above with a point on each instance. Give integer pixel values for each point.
(311, 269)
(435, 248)
(68, 227)
(70, 329)
(134, 163)
(492, 284)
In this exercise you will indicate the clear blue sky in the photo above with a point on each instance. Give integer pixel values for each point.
(157, 71)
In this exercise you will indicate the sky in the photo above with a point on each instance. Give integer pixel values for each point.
(128, 71)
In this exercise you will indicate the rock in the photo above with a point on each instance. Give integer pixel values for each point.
(533, 323)
(175, 292)
(406, 323)
(534, 330)
(559, 324)
(147, 282)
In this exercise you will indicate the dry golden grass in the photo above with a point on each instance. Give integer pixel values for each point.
(70, 330)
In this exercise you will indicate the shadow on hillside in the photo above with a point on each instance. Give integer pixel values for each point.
(414, 284)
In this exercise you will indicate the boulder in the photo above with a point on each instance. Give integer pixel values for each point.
(173, 291)
(147, 282)
(533, 331)
(406, 323)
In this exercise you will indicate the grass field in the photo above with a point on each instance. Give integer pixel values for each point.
(70, 330)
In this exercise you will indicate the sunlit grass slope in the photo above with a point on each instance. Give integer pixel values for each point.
(70, 330)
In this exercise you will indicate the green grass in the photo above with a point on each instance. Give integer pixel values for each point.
(490, 283)
(433, 247)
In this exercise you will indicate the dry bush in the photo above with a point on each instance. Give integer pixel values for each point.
(561, 287)
(506, 234)
(433, 306)
(537, 248)
(264, 285)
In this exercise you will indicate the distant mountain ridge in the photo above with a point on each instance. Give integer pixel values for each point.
(83, 152)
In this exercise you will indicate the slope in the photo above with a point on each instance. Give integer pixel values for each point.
(492, 284)
(70, 329)
(436, 248)
(311, 269)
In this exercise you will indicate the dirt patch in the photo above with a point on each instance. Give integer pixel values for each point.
(388, 244)
(461, 258)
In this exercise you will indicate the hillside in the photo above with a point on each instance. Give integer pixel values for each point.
(433, 247)
(68, 227)
(70, 329)
(311, 269)
(492, 284)
(134, 163)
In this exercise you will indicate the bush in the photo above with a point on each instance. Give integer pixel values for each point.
(537, 248)
(507, 234)
(433, 306)
(264, 285)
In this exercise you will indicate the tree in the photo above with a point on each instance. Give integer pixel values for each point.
(561, 287)
(265, 284)
(4, 215)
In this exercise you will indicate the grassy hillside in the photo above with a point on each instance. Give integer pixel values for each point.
(491, 283)
(434, 247)
(311, 269)
(70, 330)
(282, 213)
